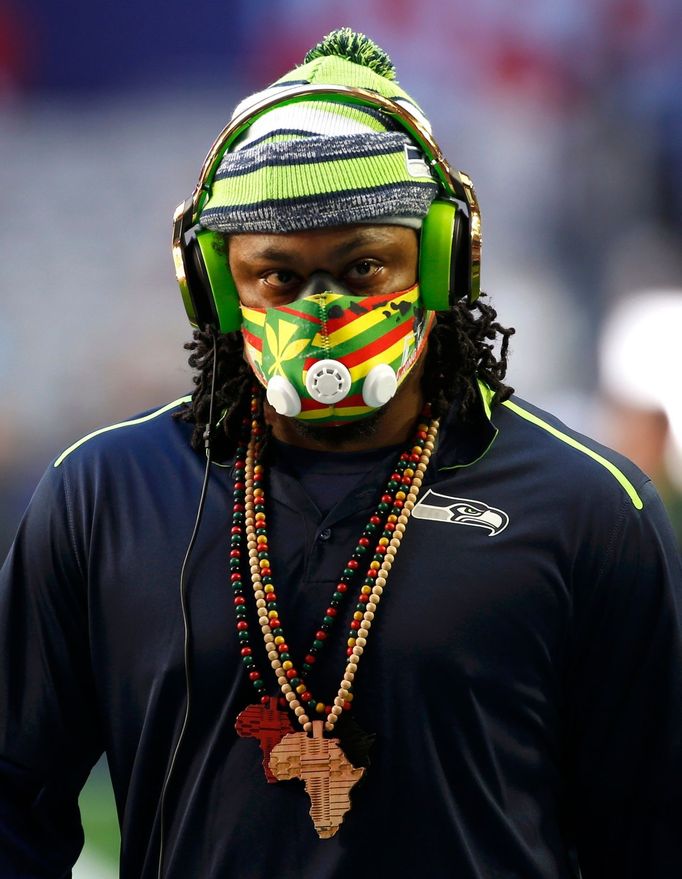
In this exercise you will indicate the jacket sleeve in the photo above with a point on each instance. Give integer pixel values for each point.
(49, 738)
(625, 702)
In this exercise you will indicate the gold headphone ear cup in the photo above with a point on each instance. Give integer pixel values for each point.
(219, 291)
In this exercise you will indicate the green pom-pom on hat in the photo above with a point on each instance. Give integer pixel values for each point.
(356, 48)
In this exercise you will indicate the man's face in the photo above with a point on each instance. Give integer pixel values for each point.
(271, 269)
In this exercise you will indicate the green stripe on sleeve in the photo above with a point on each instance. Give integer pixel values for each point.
(565, 438)
(65, 454)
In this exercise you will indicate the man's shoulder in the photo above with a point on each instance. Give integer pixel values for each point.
(152, 431)
(543, 445)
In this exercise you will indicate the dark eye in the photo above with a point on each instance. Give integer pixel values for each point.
(363, 270)
(280, 278)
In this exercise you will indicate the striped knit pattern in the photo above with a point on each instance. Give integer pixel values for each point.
(320, 163)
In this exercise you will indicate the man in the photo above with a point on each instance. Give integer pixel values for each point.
(416, 628)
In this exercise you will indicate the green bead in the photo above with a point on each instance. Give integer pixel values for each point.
(258, 683)
(337, 596)
(328, 620)
(383, 507)
(318, 644)
(348, 572)
(248, 661)
(284, 657)
(243, 636)
(307, 667)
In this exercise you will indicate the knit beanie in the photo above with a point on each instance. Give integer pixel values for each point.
(317, 163)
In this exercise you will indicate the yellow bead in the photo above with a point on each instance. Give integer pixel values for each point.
(300, 689)
(279, 640)
(408, 471)
(264, 563)
(272, 614)
(351, 642)
(367, 590)
(357, 615)
(392, 519)
(349, 696)
(287, 665)
(400, 495)
(383, 541)
(374, 566)
(319, 708)
(269, 588)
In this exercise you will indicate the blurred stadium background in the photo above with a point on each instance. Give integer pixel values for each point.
(566, 113)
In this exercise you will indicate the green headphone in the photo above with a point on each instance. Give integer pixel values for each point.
(450, 238)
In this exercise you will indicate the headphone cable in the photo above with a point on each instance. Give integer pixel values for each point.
(185, 613)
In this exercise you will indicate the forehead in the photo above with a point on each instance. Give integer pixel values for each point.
(338, 241)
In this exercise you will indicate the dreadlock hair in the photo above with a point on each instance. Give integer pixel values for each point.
(461, 349)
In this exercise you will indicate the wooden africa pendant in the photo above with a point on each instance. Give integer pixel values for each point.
(328, 775)
(266, 723)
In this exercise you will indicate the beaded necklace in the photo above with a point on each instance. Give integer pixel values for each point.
(312, 755)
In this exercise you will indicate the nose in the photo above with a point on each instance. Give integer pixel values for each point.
(322, 282)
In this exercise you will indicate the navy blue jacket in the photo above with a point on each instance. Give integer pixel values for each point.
(523, 677)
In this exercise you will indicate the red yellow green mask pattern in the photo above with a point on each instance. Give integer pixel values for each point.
(333, 358)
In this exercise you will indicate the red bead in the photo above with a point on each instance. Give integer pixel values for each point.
(271, 597)
(310, 659)
(236, 529)
(395, 476)
(355, 624)
(375, 520)
(264, 700)
(254, 675)
(239, 486)
(398, 504)
(235, 554)
(331, 612)
(237, 508)
(240, 600)
(292, 673)
(380, 550)
(389, 526)
(407, 480)
(282, 648)
(320, 635)
(282, 702)
(364, 541)
(242, 626)
(306, 697)
(363, 598)
(349, 651)
(353, 563)
(274, 623)
(246, 651)
(235, 577)
(415, 458)
(386, 498)
(347, 706)
(342, 587)
(372, 573)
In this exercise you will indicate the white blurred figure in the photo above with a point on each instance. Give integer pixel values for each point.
(640, 369)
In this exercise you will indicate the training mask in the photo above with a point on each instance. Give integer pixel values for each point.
(333, 357)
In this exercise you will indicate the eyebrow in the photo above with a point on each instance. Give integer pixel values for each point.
(361, 239)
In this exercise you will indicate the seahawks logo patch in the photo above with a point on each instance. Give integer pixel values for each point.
(460, 511)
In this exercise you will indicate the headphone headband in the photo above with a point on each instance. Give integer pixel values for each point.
(457, 186)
